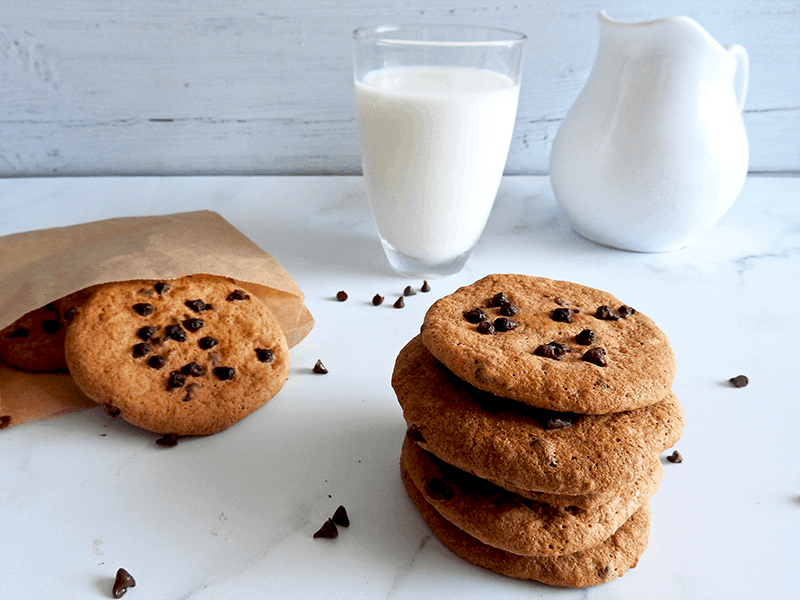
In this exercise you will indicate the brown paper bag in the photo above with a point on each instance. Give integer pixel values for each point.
(39, 267)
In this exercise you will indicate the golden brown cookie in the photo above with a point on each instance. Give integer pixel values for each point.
(504, 520)
(188, 356)
(35, 341)
(519, 446)
(602, 563)
(551, 344)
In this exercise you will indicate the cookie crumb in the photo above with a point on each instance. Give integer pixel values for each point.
(675, 457)
(739, 381)
(123, 581)
(328, 530)
(340, 517)
(341, 296)
(320, 368)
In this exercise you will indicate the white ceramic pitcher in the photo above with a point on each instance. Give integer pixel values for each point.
(654, 150)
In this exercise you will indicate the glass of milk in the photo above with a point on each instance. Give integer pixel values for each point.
(435, 108)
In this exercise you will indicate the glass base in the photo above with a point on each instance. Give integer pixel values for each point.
(415, 267)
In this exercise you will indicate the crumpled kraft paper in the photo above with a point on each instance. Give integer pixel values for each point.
(38, 267)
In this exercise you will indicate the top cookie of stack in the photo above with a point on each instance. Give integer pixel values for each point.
(551, 344)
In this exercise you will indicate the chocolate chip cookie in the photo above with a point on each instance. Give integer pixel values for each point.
(35, 341)
(551, 344)
(188, 356)
(519, 525)
(519, 446)
(599, 564)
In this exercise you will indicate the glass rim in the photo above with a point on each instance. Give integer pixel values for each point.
(409, 35)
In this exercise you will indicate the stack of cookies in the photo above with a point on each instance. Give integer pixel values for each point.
(536, 414)
(186, 356)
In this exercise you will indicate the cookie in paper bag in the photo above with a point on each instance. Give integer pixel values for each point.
(188, 356)
(35, 341)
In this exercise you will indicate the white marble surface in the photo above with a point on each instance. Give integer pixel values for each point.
(232, 515)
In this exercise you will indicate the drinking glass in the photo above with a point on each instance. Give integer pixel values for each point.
(435, 109)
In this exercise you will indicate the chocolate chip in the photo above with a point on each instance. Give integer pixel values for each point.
(143, 309)
(5, 421)
(438, 489)
(625, 311)
(596, 356)
(377, 300)
(176, 380)
(190, 390)
(399, 303)
(476, 315)
(587, 337)
(175, 332)
(21, 332)
(341, 296)
(498, 300)
(198, 306)
(224, 373)
(328, 530)
(238, 295)
(265, 355)
(50, 326)
(146, 333)
(162, 287)
(340, 517)
(157, 362)
(606, 313)
(485, 328)
(552, 350)
(559, 422)
(319, 368)
(193, 369)
(122, 582)
(70, 314)
(675, 457)
(562, 315)
(112, 411)
(193, 325)
(425, 287)
(505, 324)
(142, 349)
(739, 381)
(409, 291)
(414, 434)
(170, 440)
(207, 342)
(508, 310)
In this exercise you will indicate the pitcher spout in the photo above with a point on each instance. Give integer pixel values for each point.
(664, 33)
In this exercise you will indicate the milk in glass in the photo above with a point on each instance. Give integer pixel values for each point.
(434, 143)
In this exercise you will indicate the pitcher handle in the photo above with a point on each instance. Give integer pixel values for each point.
(742, 75)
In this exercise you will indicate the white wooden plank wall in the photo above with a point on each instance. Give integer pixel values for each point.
(120, 87)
